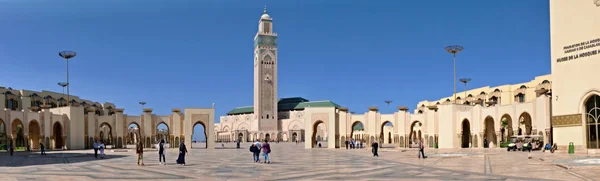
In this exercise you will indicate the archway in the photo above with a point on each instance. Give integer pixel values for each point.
(592, 126)
(294, 136)
(415, 134)
(164, 133)
(133, 135)
(57, 133)
(525, 123)
(506, 127)
(199, 140)
(385, 136)
(3, 137)
(315, 136)
(34, 134)
(267, 137)
(489, 134)
(357, 132)
(241, 138)
(18, 131)
(466, 134)
(106, 134)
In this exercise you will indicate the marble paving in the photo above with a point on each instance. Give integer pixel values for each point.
(292, 162)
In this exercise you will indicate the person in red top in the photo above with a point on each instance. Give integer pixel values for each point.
(266, 148)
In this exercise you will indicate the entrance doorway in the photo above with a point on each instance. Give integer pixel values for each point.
(315, 137)
(466, 134)
(57, 133)
(199, 136)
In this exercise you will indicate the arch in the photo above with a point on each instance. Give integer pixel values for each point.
(489, 133)
(194, 136)
(482, 93)
(3, 136)
(225, 128)
(497, 90)
(267, 137)
(35, 137)
(415, 133)
(525, 124)
(523, 87)
(106, 133)
(176, 142)
(470, 95)
(163, 132)
(506, 127)
(356, 129)
(243, 126)
(57, 132)
(592, 121)
(385, 136)
(294, 125)
(314, 132)
(447, 100)
(240, 137)
(466, 134)
(420, 112)
(545, 82)
(437, 103)
(133, 134)
(18, 130)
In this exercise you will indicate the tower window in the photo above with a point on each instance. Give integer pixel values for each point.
(267, 27)
(267, 116)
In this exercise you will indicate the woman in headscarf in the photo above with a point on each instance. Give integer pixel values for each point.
(182, 153)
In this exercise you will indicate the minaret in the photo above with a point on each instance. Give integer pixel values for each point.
(265, 74)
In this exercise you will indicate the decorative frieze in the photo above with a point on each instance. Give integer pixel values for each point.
(566, 120)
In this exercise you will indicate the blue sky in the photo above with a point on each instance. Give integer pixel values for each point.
(194, 53)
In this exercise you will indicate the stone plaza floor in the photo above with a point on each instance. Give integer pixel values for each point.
(291, 161)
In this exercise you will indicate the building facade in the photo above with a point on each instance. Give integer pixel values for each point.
(28, 118)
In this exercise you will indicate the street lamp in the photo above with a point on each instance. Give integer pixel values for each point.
(142, 103)
(67, 55)
(465, 80)
(63, 85)
(454, 49)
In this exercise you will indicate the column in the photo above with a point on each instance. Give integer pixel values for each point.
(497, 141)
(480, 140)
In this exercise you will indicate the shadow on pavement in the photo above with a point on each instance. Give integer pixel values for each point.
(21, 159)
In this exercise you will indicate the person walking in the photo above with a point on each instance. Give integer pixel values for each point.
(43, 151)
(161, 153)
(96, 144)
(421, 149)
(140, 152)
(266, 149)
(255, 153)
(11, 149)
(102, 147)
(182, 152)
(346, 144)
(375, 146)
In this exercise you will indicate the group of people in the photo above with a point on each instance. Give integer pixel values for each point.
(99, 146)
(375, 148)
(162, 153)
(257, 147)
(352, 144)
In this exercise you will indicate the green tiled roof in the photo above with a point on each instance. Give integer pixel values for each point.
(288, 104)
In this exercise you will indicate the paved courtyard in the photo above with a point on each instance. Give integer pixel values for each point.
(293, 162)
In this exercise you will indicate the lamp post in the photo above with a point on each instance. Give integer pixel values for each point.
(454, 49)
(142, 103)
(465, 80)
(63, 85)
(67, 55)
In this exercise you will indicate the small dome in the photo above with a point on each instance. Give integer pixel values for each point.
(265, 16)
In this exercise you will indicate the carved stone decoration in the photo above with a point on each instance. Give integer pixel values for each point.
(566, 120)
(597, 3)
(247, 117)
(299, 115)
(320, 116)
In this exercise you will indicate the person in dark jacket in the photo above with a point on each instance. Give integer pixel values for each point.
(375, 146)
(182, 152)
(43, 151)
(266, 149)
(255, 153)
(347, 144)
(11, 149)
(161, 153)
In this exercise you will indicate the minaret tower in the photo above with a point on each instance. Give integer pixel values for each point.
(265, 74)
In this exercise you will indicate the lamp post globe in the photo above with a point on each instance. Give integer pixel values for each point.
(454, 49)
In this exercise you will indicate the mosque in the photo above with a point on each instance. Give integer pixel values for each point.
(562, 107)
